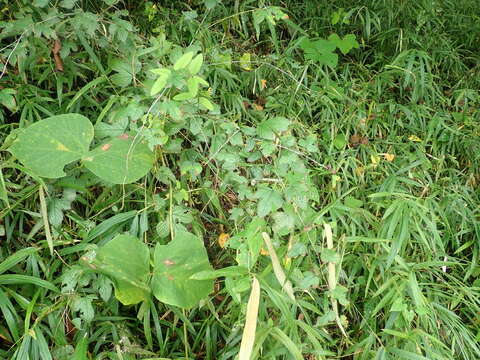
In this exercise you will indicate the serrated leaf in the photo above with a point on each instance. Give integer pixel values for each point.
(122, 79)
(267, 129)
(183, 61)
(346, 44)
(126, 259)
(196, 64)
(321, 51)
(330, 256)
(68, 4)
(270, 200)
(175, 263)
(48, 145)
(40, 3)
(120, 160)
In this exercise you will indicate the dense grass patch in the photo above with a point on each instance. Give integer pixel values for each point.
(328, 150)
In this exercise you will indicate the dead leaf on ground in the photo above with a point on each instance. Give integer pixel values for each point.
(57, 46)
(356, 140)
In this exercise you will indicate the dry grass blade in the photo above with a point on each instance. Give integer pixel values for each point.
(248, 337)
(277, 268)
(332, 278)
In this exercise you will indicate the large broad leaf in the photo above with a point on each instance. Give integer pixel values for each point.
(175, 263)
(126, 259)
(120, 160)
(48, 145)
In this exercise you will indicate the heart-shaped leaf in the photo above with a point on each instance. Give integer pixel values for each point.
(48, 145)
(120, 160)
(126, 259)
(175, 263)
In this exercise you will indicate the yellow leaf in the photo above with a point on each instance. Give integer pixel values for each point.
(264, 252)
(414, 138)
(263, 84)
(222, 239)
(245, 62)
(258, 107)
(360, 170)
(375, 160)
(389, 157)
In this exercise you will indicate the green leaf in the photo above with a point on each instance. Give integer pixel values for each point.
(340, 141)
(40, 3)
(175, 263)
(121, 78)
(126, 259)
(7, 99)
(230, 271)
(160, 83)
(206, 103)
(270, 200)
(245, 62)
(340, 293)
(329, 255)
(120, 160)
(85, 23)
(350, 201)
(321, 51)
(15, 258)
(183, 61)
(16, 279)
(68, 4)
(196, 64)
(346, 44)
(267, 129)
(210, 4)
(183, 96)
(48, 145)
(283, 223)
(192, 85)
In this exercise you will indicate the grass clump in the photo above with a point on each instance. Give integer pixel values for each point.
(329, 152)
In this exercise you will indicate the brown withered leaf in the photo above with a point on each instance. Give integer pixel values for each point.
(261, 101)
(57, 46)
(356, 140)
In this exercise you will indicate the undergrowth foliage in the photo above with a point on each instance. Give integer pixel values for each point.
(239, 179)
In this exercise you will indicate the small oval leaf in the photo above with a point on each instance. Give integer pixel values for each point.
(183, 61)
(196, 64)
